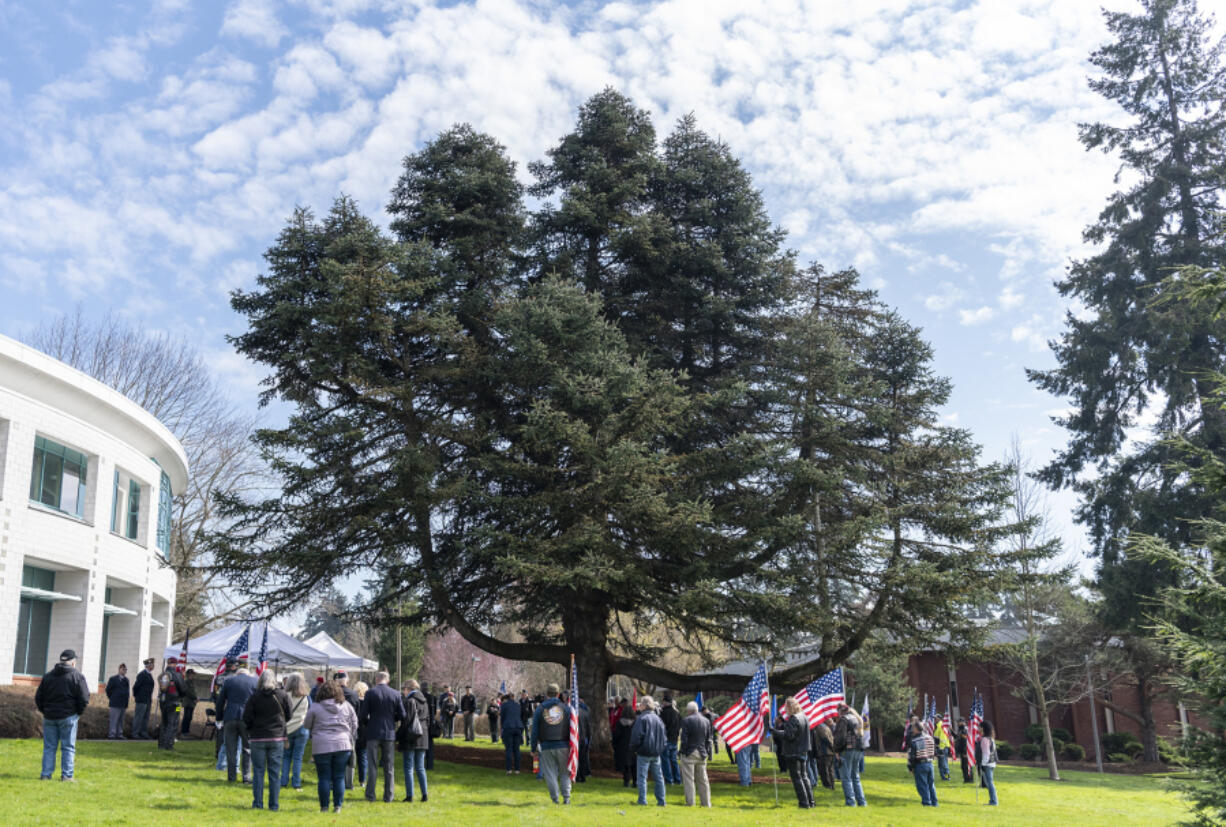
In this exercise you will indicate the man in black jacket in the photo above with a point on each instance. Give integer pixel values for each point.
(695, 752)
(468, 706)
(672, 731)
(61, 697)
(382, 709)
(432, 725)
(142, 694)
(118, 693)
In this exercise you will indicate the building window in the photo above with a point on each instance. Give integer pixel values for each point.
(133, 510)
(165, 495)
(58, 479)
(33, 624)
(118, 504)
(106, 637)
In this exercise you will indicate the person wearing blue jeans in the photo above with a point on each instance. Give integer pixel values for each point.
(849, 737)
(330, 769)
(266, 756)
(985, 750)
(415, 765)
(61, 697)
(672, 730)
(413, 737)
(291, 766)
(921, 750)
(744, 767)
(648, 740)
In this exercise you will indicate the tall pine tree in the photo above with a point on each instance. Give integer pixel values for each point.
(1131, 353)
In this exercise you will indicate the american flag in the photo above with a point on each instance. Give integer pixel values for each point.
(572, 763)
(239, 649)
(741, 725)
(259, 670)
(182, 665)
(930, 716)
(942, 724)
(820, 699)
(976, 721)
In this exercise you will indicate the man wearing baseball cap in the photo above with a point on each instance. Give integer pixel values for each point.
(142, 694)
(62, 696)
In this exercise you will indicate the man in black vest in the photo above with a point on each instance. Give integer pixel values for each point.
(551, 740)
(142, 693)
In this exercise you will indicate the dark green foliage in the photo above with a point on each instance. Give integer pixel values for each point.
(1062, 734)
(1004, 750)
(624, 415)
(1028, 751)
(1120, 742)
(1073, 752)
(1034, 733)
(1119, 758)
(1135, 350)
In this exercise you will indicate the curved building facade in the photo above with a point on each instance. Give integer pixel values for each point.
(87, 479)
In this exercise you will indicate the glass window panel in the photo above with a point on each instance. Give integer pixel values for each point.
(37, 578)
(133, 509)
(53, 471)
(70, 490)
(33, 635)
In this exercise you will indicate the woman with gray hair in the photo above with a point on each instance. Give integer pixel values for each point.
(791, 734)
(296, 734)
(264, 717)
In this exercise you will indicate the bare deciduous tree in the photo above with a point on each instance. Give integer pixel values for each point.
(167, 376)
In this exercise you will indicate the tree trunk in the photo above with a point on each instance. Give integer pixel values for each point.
(1053, 771)
(1149, 733)
(593, 683)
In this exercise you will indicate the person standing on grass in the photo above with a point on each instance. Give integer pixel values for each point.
(434, 728)
(142, 694)
(943, 750)
(695, 752)
(447, 708)
(823, 739)
(849, 744)
(381, 711)
(985, 755)
(647, 742)
(118, 692)
(264, 719)
(672, 731)
(171, 690)
(334, 726)
(468, 707)
(512, 731)
(962, 746)
(921, 750)
(491, 715)
(550, 739)
(190, 699)
(414, 738)
(61, 697)
(296, 733)
(585, 743)
(790, 737)
(231, 700)
(359, 755)
(623, 757)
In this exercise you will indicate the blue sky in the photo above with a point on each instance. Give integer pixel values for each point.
(154, 149)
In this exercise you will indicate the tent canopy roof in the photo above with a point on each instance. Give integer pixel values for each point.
(340, 656)
(209, 649)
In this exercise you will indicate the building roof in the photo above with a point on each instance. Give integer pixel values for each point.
(37, 376)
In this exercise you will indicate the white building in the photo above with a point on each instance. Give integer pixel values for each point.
(86, 481)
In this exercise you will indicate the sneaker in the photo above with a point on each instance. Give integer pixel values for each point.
(68, 778)
(335, 809)
(408, 799)
(565, 800)
(323, 809)
(423, 798)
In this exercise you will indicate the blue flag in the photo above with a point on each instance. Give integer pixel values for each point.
(698, 699)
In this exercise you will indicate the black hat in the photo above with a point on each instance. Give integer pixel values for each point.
(668, 698)
(68, 654)
(340, 673)
(150, 660)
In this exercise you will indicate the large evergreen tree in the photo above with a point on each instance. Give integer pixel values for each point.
(1132, 353)
(573, 428)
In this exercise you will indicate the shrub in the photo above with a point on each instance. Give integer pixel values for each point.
(1057, 746)
(1134, 748)
(1034, 733)
(1118, 757)
(1168, 754)
(1073, 752)
(1027, 751)
(1119, 741)
(1062, 733)
(1004, 750)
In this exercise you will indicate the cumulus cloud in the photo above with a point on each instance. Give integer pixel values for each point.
(254, 20)
(976, 316)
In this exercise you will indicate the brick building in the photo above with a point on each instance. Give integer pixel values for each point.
(934, 673)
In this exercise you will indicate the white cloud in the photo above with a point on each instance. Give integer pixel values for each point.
(254, 20)
(946, 296)
(977, 316)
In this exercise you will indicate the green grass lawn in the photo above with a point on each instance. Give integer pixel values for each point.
(130, 782)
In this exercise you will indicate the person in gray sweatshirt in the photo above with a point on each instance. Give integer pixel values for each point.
(333, 725)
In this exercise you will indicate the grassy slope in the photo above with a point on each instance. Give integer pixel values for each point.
(123, 783)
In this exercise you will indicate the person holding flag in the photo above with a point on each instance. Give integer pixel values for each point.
(550, 739)
(741, 725)
(235, 692)
(943, 744)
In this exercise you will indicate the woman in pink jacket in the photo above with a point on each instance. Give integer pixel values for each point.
(333, 726)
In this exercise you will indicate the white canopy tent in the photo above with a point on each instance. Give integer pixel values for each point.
(207, 650)
(339, 656)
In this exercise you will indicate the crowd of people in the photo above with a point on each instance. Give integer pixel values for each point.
(265, 722)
